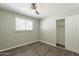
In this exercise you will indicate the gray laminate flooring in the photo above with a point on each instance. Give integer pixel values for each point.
(38, 49)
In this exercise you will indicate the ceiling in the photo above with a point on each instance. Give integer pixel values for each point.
(45, 9)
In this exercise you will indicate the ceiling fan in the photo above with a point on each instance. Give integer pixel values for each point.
(34, 8)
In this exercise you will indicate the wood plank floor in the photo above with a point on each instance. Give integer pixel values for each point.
(38, 49)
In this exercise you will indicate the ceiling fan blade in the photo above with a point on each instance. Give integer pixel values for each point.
(37, 12)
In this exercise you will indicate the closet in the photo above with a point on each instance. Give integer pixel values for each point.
(60, 33)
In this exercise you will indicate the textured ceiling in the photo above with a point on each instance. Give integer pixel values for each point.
(45, 9)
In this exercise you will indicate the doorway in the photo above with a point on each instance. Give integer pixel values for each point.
(60, 31)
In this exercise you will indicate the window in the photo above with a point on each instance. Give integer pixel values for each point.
(23, 25)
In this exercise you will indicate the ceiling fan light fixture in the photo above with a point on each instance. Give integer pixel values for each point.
(33, 10)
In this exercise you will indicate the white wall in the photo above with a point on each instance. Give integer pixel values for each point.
(72, 33)
(48, 31)
(9, 37)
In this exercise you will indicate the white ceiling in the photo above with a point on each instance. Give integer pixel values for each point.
(45, 9)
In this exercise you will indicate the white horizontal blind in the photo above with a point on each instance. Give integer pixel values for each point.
(20, 24)
(23, 24)
(29, 25)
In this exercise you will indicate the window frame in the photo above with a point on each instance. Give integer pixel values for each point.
(25, 25)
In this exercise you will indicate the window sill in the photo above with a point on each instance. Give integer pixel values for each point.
(24, 31)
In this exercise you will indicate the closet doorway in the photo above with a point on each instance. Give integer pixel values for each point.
(60, 33)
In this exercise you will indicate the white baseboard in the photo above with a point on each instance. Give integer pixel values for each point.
(58, 47)
(52, 45)
(33, 42)
(18, 46)
(48, 43)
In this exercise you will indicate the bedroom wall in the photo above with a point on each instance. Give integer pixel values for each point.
(72, 33)
(48, 29)
(9, 37)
